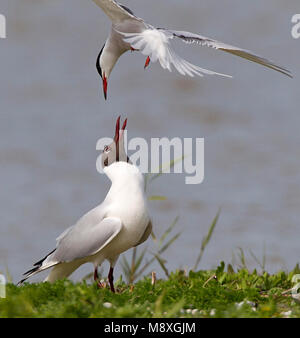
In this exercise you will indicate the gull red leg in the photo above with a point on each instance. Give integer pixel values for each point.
(111, 279)
(96, 279)
(104, 80)
(147, 62)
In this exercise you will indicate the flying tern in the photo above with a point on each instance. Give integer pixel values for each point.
(129, 32)
(119, 223)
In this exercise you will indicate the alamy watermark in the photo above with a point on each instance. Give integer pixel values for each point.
(2, 286)
(178, 156)
(2, 26)
(296, 27)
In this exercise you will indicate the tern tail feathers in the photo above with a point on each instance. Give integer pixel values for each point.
(155, 44)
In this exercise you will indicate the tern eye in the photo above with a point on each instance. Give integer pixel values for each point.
(106, 149)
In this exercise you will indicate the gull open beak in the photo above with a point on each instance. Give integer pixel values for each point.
(118, 136)
(119, 132)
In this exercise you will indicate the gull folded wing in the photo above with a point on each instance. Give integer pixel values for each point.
(77, 242)
(84, 241)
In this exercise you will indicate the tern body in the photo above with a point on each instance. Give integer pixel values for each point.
(115, 45)
(119, 223)
(129, 32)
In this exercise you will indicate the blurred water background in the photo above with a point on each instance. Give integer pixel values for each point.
(52, 113)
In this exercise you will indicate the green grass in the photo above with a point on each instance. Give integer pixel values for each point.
(217, 293)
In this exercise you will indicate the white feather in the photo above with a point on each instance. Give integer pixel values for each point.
(119, 223)
(190, 38)
(155, 43)
(115, 11)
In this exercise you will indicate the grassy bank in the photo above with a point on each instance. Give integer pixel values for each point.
(219, 293)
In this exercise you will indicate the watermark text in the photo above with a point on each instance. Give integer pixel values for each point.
(296, 27)
(162, 155)
(2, 26)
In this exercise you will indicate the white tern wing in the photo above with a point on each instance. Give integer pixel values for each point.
(155, 43)
(115, 11)
(243, 53)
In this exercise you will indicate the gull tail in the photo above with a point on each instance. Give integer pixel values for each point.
(38, 267)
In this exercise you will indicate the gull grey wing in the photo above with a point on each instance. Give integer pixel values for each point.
(62, 235)
(243, 53)
(84, 241)
(115, 11)
(146, 234)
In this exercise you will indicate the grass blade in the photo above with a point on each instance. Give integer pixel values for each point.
(162, 264)
(166, 233)
(206, 239)
(165, 167)
(157, 198)
(165, 247)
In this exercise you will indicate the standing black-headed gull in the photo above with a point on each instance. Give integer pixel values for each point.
(119, 223)
(130, 32)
